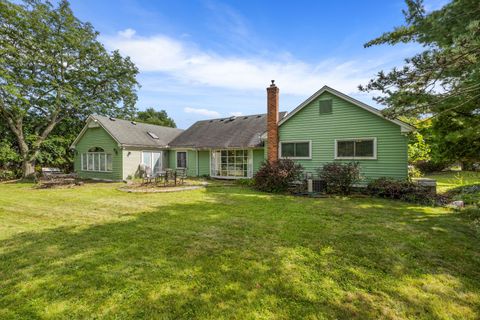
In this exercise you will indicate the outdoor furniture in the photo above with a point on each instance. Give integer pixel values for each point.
(147, 175)
(181, 174)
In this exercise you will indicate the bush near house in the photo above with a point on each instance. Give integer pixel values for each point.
(340, 177)
(401, 190)
(277, 176)
(430, 166)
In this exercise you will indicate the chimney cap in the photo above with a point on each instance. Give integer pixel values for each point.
(273, 83)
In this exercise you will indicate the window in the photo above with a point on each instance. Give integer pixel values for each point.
(362, 148)
(96, 160)
(295, 150)
(325, 106)
(152, 135)
(152, 160)
(231, 163)
(181, 159)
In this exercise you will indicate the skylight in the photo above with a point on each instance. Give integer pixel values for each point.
(153, 135)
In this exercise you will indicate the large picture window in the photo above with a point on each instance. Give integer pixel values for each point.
(96, 159)
(231, 163)
(295, 150)
(364, 148)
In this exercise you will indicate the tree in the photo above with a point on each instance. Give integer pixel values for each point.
(52, 68)
(152, 116)
(441, 82)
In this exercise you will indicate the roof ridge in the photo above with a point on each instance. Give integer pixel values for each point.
(137, 122)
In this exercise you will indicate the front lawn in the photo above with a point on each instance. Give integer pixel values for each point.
(229, 252)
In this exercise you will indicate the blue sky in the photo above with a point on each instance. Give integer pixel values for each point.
(207, 59)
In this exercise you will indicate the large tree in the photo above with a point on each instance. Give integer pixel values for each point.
(161, 118)
(53, 68)
(443, 81)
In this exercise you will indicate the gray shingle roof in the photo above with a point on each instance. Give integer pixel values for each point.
(234, 132)
(128, 133)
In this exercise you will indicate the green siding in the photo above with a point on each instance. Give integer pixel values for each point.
(348, 121)
(191, 161)
(258, 158)
(98, 137)
(203, 162)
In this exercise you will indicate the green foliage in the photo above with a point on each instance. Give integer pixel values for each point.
(340, 177)
(430, 166)
(152, 116)
(245, 182)
(443, 81)
(277, 176)
(413, 172)
(53, 69)
(401, 190)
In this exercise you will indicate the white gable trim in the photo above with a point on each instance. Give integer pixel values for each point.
(80, 135)
(403, 126)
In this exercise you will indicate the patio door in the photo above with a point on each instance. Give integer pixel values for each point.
(153, 160)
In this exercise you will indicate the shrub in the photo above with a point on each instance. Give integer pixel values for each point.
(402, 190)
(429, 166)
(414, 172)
(8, 175)
(277, 176)
(340, 177)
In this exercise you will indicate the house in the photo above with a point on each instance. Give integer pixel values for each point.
(328, 126)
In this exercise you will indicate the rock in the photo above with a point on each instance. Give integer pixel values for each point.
(457, 204)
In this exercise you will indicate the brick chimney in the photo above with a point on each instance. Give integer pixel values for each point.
(272, 122)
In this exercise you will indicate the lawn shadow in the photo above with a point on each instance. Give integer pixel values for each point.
(241, 254)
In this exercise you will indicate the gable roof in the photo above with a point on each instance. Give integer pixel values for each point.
(233, 132)
(130, 133)
(405, 127)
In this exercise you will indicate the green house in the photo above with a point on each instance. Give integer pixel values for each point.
(328, 126)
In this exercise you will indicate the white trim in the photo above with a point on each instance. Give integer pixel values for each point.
(176, 159)
(295, 141)
(405, 127)
(356, 158)
(249, 163)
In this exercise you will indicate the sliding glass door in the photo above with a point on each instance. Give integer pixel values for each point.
(231, 163)
(153, 160)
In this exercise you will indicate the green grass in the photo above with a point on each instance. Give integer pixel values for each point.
(453, 179)
(229, 252)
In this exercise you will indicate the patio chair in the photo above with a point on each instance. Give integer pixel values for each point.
(181, 174)
(147, 175)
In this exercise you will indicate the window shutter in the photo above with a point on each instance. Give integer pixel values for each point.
(325, 106)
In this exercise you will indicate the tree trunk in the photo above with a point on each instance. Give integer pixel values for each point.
(28, 168)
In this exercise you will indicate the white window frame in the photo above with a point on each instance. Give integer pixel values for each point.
(374, 139)
(249, 164)
(92, 154)
(295, 141)
(176, 159)
(151, 158)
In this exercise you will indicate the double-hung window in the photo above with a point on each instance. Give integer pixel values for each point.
(295, 149)
(181, 159)
(361, 148)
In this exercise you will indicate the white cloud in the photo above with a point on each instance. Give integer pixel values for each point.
(189, 65)
(203, 112)
(127, 33)
(236, 114)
